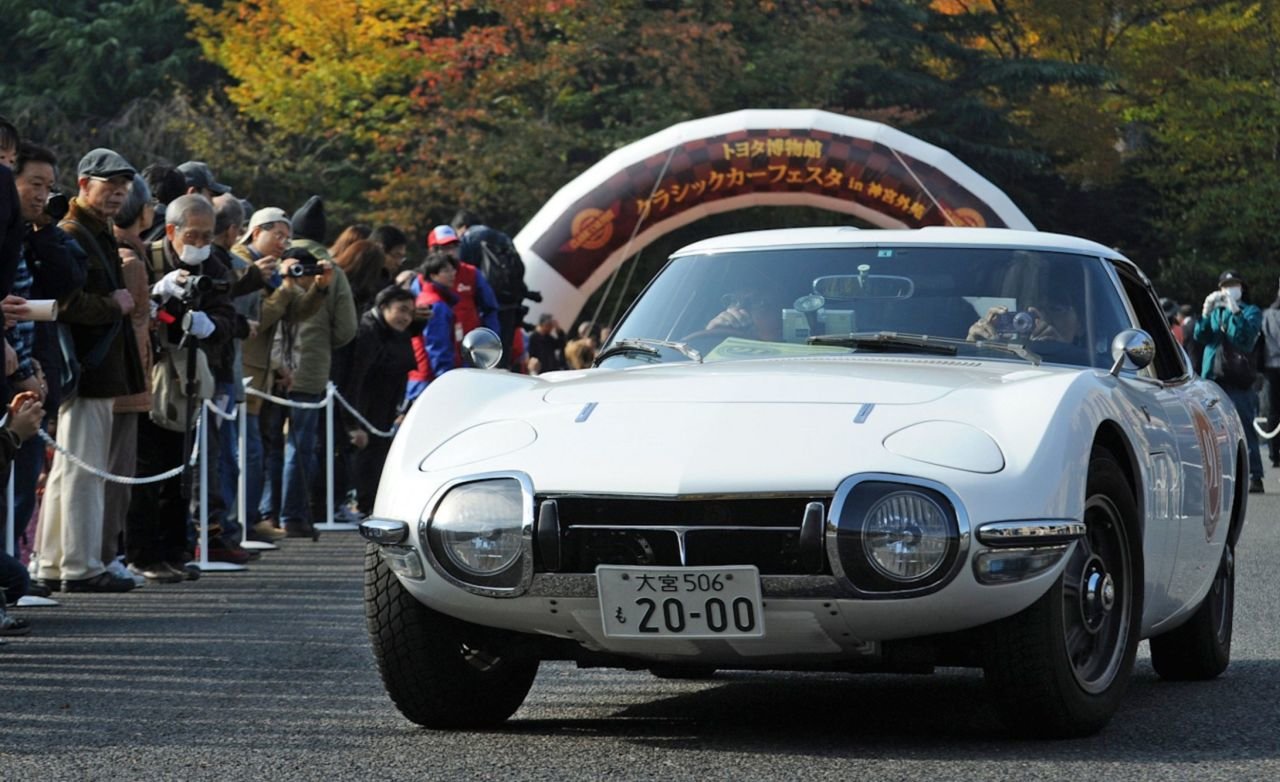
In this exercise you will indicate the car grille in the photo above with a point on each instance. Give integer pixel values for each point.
(760, 531)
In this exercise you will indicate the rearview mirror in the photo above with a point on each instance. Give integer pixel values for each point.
(848, 287)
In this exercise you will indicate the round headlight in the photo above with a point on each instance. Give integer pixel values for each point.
(480, 526)
(905, 536)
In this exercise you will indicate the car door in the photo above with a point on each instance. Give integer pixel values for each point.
(1160, 392)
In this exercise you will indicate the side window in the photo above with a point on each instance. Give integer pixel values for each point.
(1168, 364)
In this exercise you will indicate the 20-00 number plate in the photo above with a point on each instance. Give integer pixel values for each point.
(680, 602)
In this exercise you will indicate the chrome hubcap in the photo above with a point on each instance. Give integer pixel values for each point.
(1097, 594)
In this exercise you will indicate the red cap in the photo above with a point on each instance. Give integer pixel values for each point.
(442, 235)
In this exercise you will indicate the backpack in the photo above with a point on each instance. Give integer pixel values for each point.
(503, 267)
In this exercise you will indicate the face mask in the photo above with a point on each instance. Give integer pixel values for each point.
(193, 256)
(1235, 292)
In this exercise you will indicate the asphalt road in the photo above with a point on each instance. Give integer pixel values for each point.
(268, 675)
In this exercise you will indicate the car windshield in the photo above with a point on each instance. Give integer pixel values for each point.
(998, 303)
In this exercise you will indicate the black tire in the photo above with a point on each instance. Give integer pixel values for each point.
(440, 672)
(1059, 668)
(684, 672)
(1200, 648)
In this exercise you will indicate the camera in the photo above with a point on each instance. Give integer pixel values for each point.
(1018, 322)
(57, 205)
(198, 285)
(303, 270)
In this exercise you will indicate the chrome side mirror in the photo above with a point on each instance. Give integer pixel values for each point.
(1134, 345)
(483, 348)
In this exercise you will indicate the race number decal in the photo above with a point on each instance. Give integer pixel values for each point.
(1212, 471)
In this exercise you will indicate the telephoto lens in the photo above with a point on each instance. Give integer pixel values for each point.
(57, 205)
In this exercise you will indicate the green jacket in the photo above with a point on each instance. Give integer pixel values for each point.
(333, 326)
(289, 303)
(97, 324)
(1242, 328)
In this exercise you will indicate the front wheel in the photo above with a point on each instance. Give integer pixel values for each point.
(1200, 649)
(1059, 668)
(440, 672)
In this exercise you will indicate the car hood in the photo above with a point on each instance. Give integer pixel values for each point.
(780, 425)
(843, 380)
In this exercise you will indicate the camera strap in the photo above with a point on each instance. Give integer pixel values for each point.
(90, 243)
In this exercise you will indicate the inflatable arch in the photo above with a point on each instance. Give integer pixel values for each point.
(732, 161)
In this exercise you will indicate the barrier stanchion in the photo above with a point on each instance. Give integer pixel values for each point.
(329, 525)
(11, 534)
(242, 490)
(204, 564)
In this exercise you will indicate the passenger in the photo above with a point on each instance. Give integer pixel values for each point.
(1056, 320)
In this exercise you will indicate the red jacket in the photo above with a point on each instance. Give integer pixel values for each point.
(443, 322)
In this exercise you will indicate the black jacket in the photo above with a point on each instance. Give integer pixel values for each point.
(373, 373)
(58, 266)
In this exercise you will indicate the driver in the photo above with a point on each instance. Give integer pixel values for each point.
(749, 313)
(1055, 320)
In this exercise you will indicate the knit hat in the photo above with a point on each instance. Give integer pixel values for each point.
(309, 222)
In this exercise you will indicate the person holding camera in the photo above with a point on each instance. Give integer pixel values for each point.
(1228, 329)
(69, 547)
(190, 290)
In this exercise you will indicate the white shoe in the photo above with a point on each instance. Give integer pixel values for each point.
(118, 569)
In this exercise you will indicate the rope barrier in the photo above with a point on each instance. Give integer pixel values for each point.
(128, 480)
(286, 402)
(1263, 433)
(218, 411)
(370, 428)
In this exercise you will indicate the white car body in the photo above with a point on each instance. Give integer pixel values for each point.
(1007, 440)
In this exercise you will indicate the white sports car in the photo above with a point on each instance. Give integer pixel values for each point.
(825, 449)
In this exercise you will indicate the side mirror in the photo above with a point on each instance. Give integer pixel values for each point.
(1134, 345)
(483, 348)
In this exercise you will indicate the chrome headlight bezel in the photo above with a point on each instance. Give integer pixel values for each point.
(846, 535)
(512, 578)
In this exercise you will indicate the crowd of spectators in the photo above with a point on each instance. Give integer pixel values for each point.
(171, 289)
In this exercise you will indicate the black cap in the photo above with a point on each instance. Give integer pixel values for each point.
(1229, 276)
(199, 176)
(104, 163)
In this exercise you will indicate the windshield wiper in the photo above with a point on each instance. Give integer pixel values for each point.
(648, 347)
(946, 346)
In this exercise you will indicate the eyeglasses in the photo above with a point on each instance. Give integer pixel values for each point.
(198, 238)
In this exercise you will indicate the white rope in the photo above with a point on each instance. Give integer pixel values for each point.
(286, 402)
(370, 428)
(208, 403)
(125, 479)
(1263, 433)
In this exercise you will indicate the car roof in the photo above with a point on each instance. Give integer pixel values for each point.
(849, 236)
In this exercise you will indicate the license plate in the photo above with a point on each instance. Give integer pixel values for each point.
(680, 602)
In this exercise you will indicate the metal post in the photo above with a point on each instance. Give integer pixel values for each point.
(329, 524)
(242, 483)
(205, 565)
(11, 539)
